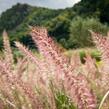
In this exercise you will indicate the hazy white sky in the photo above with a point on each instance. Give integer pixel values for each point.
(5, 4)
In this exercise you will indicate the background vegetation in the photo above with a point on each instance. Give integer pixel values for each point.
(67, 26)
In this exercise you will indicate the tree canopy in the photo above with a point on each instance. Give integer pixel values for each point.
(59, 22)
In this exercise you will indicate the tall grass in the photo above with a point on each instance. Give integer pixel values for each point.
(52, 80)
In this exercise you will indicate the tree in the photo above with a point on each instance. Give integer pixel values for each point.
(79, 34)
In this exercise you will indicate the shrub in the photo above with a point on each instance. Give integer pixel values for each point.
(79, 34)
(94, 54)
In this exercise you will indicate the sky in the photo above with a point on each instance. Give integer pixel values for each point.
(54, 4)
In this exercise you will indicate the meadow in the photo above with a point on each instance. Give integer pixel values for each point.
(54, 78)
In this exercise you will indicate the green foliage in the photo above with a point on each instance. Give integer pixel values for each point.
(82, 56)
(58, 26)
(94, 54)
(17, 19)
(58, 22)
(96, 8)
(79, 34)
(14, 16)
(40, 16)
(63, 102)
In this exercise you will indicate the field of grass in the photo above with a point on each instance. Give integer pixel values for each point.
(54, 78)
